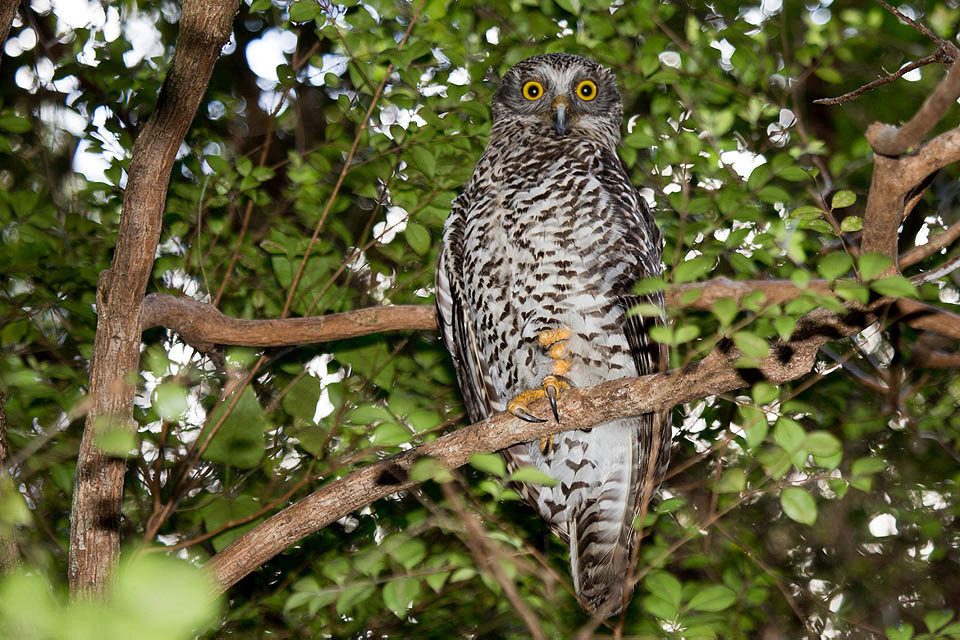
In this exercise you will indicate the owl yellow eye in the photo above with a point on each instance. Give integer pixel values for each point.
(532, 90)
(587, 90)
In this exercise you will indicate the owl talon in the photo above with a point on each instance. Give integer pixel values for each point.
(552, 396)
(521, 412)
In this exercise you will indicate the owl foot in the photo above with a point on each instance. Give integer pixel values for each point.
(552, 387)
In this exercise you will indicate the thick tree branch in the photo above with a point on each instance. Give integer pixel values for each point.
(581, 408)
(893, 141)
(202, 325)
(895, 174)
(95, 518)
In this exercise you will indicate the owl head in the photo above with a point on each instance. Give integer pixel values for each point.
(560, 95)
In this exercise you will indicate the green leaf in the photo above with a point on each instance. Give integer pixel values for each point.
(732, 481)
(664, 586)
(304, 10)
(15, 124)
(409, 553)
(713, 598)
(873, 264)
(570, 6)
(399, 595)
(902, 632)
(417, 237)
(390, 434)
(799, 505)
(180, 595)
(896, 286)
(789, 434)
(691, 270)
(725, 310)
(532, 476)
(489, 463)
(430, 469)
(822, 444)
(851, 224)
(170, 401)
(751, 345)
(239, 442)
(936, 620)
(424, 160)
(834, 264)
(116, 440)
(755, 425)
(842, 199)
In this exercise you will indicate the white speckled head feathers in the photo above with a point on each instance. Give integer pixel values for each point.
(559, 74)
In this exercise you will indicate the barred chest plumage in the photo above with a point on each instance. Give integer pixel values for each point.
(543, 246)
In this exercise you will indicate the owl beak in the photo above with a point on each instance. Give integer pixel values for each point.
(560, 123)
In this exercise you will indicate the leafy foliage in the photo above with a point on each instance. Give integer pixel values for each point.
(820, 507)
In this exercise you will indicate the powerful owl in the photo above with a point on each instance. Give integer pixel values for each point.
(539, 258)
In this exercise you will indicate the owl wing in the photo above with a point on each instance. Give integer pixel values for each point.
(457, 330)
(459, 336)
(649, 356)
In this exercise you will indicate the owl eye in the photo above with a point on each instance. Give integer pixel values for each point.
(587, 90)
(532, 90)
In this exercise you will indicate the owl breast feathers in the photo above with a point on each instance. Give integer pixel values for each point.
(539, 258)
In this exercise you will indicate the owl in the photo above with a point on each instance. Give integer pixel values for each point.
(535, 279)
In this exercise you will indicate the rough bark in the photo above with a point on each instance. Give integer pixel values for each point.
(8, 9)
(95, 517)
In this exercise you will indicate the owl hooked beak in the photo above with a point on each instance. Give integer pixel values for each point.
(560, 123)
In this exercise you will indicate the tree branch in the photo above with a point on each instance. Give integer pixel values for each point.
(95, 517)
(892, 141)
(8, 10)
(950, 235)
(582, 408)
(203, 325)
(879, 82)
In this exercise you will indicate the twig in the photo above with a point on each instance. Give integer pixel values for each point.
(918, 254)
(488, 558)
(879, 82)
(946, 45)
(939, 272)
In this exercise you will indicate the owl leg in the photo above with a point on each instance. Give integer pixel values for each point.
(553, 341)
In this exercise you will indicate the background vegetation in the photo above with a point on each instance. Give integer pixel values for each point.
(838, 492)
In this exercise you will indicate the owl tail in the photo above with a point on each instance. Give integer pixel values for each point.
(602, 537)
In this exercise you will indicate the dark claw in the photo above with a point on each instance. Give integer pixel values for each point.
(552, 396)
(523, 414)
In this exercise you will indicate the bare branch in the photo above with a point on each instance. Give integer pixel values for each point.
(95, 517)
(892, 141)
(715, 374)
(202, 325)
(879, 82)
(918, 254)
(922, 29)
